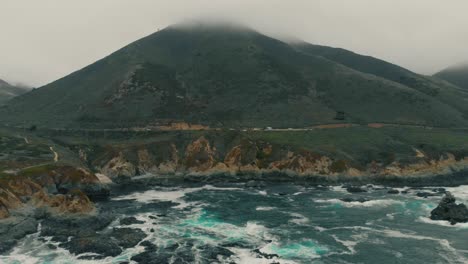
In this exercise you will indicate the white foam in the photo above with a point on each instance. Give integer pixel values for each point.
(246, 256)
(299, 219)
(265, 208)
(460, 192)
(371, 203)
(349, 244)
(427, 220)
(168, 194)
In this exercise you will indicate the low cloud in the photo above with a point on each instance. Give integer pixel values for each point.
(48, 39)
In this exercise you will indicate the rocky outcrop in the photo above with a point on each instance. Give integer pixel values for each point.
(119, 167)
(449, 210)
(200, 156)
(63, 189)
(208, 156)
(11, 232)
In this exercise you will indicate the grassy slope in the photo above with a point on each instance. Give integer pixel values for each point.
(8, 91)
(229, 78)
(443, 92)
(360, 145)
(457, 75)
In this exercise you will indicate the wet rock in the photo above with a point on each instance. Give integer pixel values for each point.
(25, 227)
(355, 189)
(151, 257)
(127, 237)
(393, 191)
(439, 190)
(130, 221)
(264, 255)
(6, 245)
(350, 199)
(426, 194)
(237, 244)
(255, 184)
(212, 253)
(99, 244)
(449, 210)
(60, 228)
(12, 232)
(104, 244)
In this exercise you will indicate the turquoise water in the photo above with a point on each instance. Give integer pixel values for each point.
(285, 223)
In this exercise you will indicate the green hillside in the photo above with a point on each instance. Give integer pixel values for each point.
(236, 77)
(8, 91)
(439, 90)
(457, 75)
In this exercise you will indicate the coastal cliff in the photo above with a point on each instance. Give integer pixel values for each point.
(59, 189)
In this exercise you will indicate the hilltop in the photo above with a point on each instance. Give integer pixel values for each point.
(457, 75)
(8, 91)
(230, 76)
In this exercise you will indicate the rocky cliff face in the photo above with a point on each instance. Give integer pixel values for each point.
(201, 157)
(62, 189)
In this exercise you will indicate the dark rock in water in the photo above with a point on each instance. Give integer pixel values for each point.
(355, 189)
(450, 211)
(25, 227)
(153, 217)
(104, 244)
(236, 244)
(212, 253)
(264, 255)
(152, 230)
(426, 194)
(100, 245)
(60, 228)
(6, 245)
(89, 234)
(151, 255)
(350, 199)
(148, 257)
(130, 221)
(96, 192)
(148, 246)
(13, 231)
(439, 190)
(255, 184)
(127, 237)
(50, 246)
(393, 191)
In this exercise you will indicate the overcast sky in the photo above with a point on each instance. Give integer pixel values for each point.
(42, 40)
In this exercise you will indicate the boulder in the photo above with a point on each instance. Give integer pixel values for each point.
(355, 189)
(426, 194)
(350, 199)
(130, 221)
(449, 210)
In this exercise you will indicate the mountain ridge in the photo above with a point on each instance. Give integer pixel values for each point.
(457, 74)
(8, 91)
(234, 77)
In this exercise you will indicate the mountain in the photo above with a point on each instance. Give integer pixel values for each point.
(457, 75)
(230, 76)
(8, 91)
